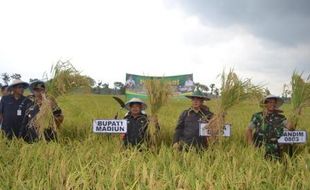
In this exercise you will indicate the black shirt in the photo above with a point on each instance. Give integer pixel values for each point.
(136, 129)
(13, 111)
(29, 132)
(187, 129)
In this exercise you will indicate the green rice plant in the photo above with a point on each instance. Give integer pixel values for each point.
(300, 97)
(83, 160)
(158, 91)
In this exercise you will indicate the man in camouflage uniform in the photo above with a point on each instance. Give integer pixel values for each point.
(267, 127)
(187, 130)
(30, 132)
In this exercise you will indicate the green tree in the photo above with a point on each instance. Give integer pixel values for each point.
(16, 76)
(6, 78)
(212, 86)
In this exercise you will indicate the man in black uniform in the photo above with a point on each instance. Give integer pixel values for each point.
(137, 123)
(187, 130)
(4, 90)
(30, 129)
(12, 109)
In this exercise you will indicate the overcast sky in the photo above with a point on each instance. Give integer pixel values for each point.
(261, 39)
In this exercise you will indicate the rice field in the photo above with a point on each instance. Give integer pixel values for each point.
(83, 160)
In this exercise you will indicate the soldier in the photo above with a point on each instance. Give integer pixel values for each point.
(30, 129)
(137, 123)
(187, 130)
(267, 127)
(12, 109)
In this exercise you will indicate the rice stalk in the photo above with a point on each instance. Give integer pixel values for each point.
(300, 97)
(158, 91)
(66, 78)
(45, 118)
(233, 91)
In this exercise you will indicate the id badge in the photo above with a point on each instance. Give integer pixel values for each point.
(19, 112)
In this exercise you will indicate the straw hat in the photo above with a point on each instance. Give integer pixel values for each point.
(197, 93)
(17, 82)
(279, 100)
(135, 100)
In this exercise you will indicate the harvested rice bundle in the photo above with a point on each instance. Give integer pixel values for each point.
(65, 78)
(45, 118)
(158, 91)
(300, 98)
(233, 91)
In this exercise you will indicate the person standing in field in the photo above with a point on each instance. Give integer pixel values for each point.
(12, 109)
(187, 129)
(137, 123)
(267, 126)
(43, 108)
(4, 91)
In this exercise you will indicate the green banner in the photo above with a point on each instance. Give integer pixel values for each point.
(181, 84)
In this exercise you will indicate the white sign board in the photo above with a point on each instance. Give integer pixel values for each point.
(293, 137)
(110, 126)
(204, 131)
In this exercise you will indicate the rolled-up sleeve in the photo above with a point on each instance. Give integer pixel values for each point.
(251, 125)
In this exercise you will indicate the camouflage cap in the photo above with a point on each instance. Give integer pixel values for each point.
(37, 84)
(197, 93)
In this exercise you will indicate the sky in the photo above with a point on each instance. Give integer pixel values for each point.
(265, 40)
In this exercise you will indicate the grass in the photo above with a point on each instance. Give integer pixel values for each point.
(82, 160)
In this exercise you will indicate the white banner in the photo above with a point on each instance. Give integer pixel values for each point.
(110, 126)
(293, 137)
(204, 131)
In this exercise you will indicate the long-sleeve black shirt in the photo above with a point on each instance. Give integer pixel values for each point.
(187, 129)
(13, 111)
(136, 129)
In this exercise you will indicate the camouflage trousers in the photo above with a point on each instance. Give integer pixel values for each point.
(272, 151)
